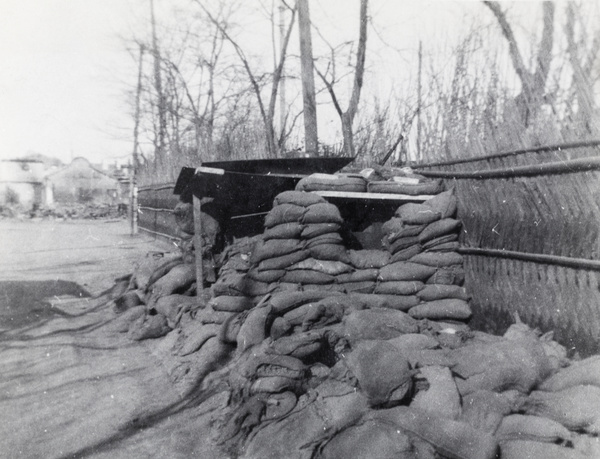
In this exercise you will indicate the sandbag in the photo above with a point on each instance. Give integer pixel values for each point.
(378, 324)
(333, 252)
(283, 261)
(152, 326)
(332, 268)
(440, 292)
(407, 253)
(452, 246)
(539, 450)
(440, 241)
(328, 238)
(284, 302)
(441, 398)
(382, 374)
(268, 276)
(372, 439)
(153, 267)
(405, 271)
(123, 321)
(400, 243)
(170, 306)
(576, 407)
(452, 439)
(254, 329)
(274, 248)
(424, 188)
(396, 227)
(178, 279)
(484, 410)
(359, 275)
(299, 345)
(531, 428)
(231, 284)
(312, 230)
(275, 384)
(417, 214)
(413, 341)
(366, 259)
(284, 213)
(298, 198)
(454, 275)
(330, 182)
(448, 309)
(358, 287)
(307, 276)
(322, 213)
(197, 339)
(398, 287)
(586, 371)
(284, 231)
(231, 303)
(437, 260)
(230, 328)
(445, 203)
(438, 229)
(128, 300)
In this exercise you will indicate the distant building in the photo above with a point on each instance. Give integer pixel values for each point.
(79, 182)
(21, 182)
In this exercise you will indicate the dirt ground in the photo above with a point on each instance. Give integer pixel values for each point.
(69, 385)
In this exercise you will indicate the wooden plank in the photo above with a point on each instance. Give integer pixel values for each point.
(373, 196)
(198, 245)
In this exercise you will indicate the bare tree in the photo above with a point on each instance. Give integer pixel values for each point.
(533, 83)
(347, 116)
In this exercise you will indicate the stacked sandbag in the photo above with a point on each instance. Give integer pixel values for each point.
(333, 182)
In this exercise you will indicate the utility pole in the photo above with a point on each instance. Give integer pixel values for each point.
(134, 157)
(308, 80)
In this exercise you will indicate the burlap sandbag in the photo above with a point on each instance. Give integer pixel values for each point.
(170, 306)
(231, 284)
(383, 375)
(407, 253)
(438, 259)
(329, 238)
(441, 398)
(395, 227)
(452, 275)
(399, 287)
(283, 262)
(433, 244)
(358, 287)
(448, 309)
(360, 275)
(284, 213)
(333, 252)
(445, 203)
(299, 345)
(275, 384)
(413, 341)
(322, 213)
(379, 301)
(312, 230)
(539, 450)
(332, 268)
(378, 324)
(307, 276)
(452, 439)
(284, 302)
(365, 259)
(405, 271)
(298, 198)
(445, 247)
(400, 243)
(484, 410)
(153, 267)
(438, 229)
(371, 439)
(417, 214)
(586, 371)
(533, 428)
(254, 329)
(231, 303)
(439, 292)
(148, 327)
(425, 188)
(274, 248)
(283, 231)
(576, 407)
(177, 280)
(327, 182)
(272, 275)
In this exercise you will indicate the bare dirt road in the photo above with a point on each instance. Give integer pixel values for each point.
(69, 385)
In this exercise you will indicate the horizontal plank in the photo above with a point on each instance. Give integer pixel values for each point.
(374, 196)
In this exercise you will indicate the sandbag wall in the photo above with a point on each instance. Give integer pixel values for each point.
(417, 269)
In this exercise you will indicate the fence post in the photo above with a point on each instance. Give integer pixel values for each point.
(198, 245)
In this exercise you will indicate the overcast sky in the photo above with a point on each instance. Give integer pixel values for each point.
(64, 66)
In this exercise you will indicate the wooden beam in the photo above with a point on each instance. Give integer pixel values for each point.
(374, 196)
(198, 245)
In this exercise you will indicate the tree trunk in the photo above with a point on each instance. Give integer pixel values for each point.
(308, 80)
